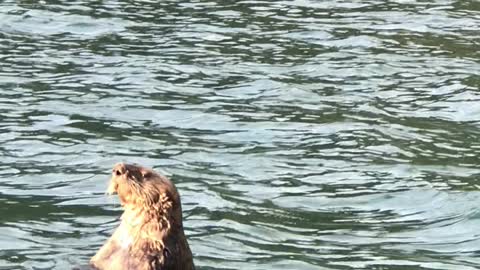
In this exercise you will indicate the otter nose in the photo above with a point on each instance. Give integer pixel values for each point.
(119, 169)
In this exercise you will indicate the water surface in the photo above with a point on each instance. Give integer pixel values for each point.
(301, 134)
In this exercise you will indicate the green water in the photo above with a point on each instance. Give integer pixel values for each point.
(301, 134)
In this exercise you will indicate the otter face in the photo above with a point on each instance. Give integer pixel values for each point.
(138, 185)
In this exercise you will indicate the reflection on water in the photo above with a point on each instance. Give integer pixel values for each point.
(301, 134)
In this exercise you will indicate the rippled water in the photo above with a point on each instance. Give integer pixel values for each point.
(301, 134)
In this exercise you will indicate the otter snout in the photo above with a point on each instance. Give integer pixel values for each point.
(119, 169)
(122, 174)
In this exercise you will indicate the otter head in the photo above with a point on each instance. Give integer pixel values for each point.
(143, 190)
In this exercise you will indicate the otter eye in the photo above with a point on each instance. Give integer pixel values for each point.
(146, 175)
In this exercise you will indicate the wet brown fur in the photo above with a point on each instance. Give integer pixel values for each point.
(150, 235)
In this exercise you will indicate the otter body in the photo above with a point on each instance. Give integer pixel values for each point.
(150, 235)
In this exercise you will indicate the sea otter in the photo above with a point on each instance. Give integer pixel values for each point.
(150, 235)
